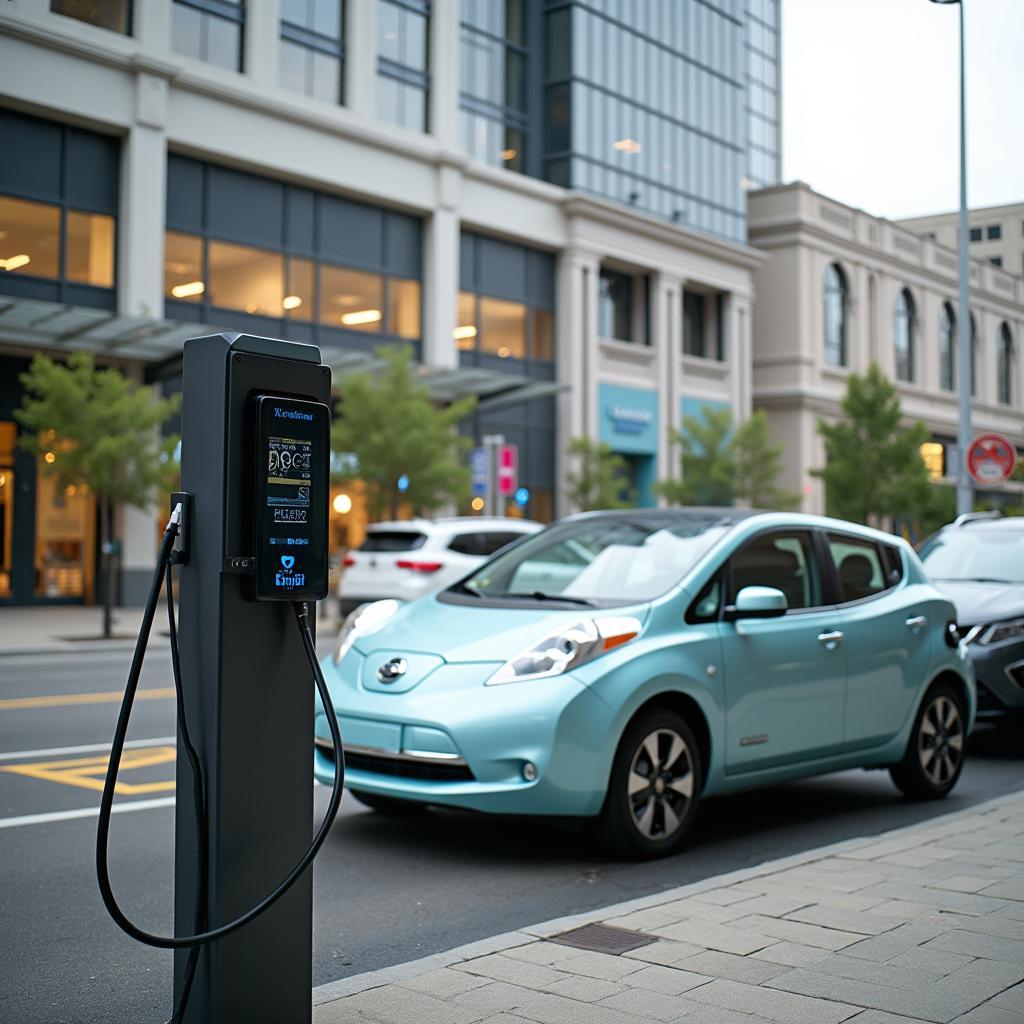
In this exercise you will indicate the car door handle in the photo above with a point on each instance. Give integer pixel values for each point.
(915, 622)
(832, 638)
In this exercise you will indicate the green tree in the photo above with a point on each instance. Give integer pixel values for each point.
(603, 477)
(757, 465)
(103, 432)
(873, 466)
(389, 423)
(707, 451)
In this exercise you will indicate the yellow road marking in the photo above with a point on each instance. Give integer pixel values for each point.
(57, 700)
(88, 772)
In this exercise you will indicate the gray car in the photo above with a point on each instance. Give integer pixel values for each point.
(978, 562)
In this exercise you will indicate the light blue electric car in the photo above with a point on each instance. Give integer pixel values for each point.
(627, 664)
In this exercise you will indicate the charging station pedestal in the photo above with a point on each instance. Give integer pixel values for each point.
(247, 686)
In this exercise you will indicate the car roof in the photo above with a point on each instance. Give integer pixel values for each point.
(990, 523)
(456, 522)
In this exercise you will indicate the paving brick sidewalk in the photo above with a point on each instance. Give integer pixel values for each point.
(925, 923)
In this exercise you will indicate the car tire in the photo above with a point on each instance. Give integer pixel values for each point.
(936, 748)
(392, 806)
(646, 819)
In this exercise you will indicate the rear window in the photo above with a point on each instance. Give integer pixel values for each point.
(393, 540)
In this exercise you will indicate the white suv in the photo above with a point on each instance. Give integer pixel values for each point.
(407, 559)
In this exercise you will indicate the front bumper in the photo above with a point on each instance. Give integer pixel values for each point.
(999, 669)
(453, 741)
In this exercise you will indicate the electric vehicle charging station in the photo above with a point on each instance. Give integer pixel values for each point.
(251, 544)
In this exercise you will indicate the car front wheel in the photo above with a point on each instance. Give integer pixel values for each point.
(655, 786)
(935, 751)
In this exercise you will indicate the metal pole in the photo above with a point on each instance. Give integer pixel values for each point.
(964, 489)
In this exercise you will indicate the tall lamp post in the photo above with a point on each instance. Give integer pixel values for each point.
(964, 488)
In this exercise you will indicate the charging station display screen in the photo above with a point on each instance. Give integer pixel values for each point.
(291, 499)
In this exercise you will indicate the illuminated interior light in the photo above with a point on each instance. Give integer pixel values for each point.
(462, 333)
(504, 352)
(292, 302)
(626, 145)
(509, 154)
(184, 291)
(50, 458)
(361, 316)
(477, 504)
(342, 504)
(15, 262)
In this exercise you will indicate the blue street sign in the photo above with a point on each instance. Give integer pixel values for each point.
(478, 470)
(522, 496)
(403, 482)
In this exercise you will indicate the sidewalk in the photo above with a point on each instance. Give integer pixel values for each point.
(924, 923)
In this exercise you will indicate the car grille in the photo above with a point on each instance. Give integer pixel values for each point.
(404, 766)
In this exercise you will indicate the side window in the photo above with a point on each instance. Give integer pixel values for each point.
(491, 542)
(893, 558)
(783, 560)
(709, 600)
(858, 567)
(466, 544)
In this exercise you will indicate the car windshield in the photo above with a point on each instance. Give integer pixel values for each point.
(990, 554)
(600, 561)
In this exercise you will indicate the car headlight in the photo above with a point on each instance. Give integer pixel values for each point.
(568, 648)
(367, 618)
(1012, 629)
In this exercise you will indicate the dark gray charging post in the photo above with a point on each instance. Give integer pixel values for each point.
(247, 687)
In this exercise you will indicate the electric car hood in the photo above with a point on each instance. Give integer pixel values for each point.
(979, 601)
(459, 633)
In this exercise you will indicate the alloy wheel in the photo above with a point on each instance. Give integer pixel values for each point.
(660, 784)
(940, 742)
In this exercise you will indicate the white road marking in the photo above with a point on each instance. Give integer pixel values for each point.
(89, 748)
(86, 812)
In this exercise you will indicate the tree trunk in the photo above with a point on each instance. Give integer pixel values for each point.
(107, 539)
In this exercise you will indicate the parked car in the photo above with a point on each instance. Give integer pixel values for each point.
(978, 563)
(410, 558)
(627, 664)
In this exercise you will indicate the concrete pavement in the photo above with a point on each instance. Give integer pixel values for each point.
(924, 923)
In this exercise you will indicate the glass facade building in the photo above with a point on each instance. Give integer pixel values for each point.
(763, 93)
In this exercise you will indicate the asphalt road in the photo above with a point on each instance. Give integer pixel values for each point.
(386, 890)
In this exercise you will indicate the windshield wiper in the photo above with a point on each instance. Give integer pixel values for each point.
(540, 595)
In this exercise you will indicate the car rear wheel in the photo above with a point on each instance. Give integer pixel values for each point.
(935, 752)
(390, 805)
(655, 786)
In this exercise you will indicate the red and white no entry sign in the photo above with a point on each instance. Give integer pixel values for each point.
(990, 459)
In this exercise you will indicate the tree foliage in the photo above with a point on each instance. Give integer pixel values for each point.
(389, 422)
(873, 465)
(602, 479)
(726, 465)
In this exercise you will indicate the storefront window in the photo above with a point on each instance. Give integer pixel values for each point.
(351, 299)
(8, 435)
(29, 237)
(298, 303)
(465, 332)
(541, 334)
(90, 249)
(65, 518)
(246, 278)
(503, 328)
(404, 308)
(183, 267)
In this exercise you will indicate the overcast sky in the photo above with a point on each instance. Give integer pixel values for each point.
(870, 104)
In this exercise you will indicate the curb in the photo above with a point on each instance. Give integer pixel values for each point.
(334, 990)
(77, 647)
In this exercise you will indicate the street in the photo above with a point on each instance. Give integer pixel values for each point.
(386, 890)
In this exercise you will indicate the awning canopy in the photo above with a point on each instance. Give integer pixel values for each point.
(56, 327)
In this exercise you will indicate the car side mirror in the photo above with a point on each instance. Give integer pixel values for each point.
(757, 603)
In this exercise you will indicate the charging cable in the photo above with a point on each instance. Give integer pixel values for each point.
(193, 942)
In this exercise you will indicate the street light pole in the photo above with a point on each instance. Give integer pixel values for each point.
(964, 488)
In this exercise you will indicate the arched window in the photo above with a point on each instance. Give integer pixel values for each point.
(1005, 365)
(903, 328)
(836, 296)
(947, 347)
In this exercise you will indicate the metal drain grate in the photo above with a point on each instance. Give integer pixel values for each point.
(603, 938)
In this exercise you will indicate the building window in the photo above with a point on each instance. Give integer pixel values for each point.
(209, 30)
(1005, 365)
(904, 327)
(492, 73)
(403, 83)
(947, 348)
(615, 306)
(975, 234)
(309, 266)
(114, 15)
(836, 303)
(994, 232)
(996, 261)
(312, 48)
(58, 205)
(694, 324)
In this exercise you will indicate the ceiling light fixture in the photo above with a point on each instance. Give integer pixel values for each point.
(15, 262)
(626, 145)
(466, 331)
(292, 302)
(361, 316)
(186, 291)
